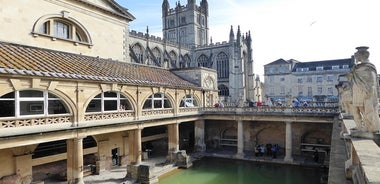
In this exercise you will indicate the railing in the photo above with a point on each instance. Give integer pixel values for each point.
(274, 109)
(103, 116)
(263, 110)
(33, 121)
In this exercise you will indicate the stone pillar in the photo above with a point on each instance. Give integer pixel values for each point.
(75, 161)
(102, 161)
(135, 149)
(173, 140)
(288, 142)
(24, 167)
(240, 141)
(134, 154)
(199, 132)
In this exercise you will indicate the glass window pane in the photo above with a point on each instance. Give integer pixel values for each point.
(147, 104)
(9, 95)
(31, 108)
(57, 107)
(31, 93)
(94, 106)
(110, 105)
(7, 108)
(157, 104)
(167, 104)
(110, 94)
(125, 105)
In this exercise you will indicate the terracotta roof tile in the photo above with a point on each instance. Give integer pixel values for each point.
(31, 61)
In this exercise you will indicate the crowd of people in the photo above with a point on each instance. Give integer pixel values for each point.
(268, 150)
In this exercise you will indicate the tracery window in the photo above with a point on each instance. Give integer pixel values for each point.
(109, 101)
(137, 49)
(157, 101)
(203, 61)
(157, 54)
(173, 57)
(222, 65)
(188, 101)
(31, 102)
(223, 90)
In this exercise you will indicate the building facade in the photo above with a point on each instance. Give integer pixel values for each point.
(305, 81)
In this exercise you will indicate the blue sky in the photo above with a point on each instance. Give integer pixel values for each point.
(305, 30)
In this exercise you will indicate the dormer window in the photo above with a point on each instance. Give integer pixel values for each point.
(319, 68)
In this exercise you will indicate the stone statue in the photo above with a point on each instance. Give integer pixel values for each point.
(363, 78)
(345, 96)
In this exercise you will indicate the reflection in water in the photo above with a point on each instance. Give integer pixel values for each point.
(226, 171)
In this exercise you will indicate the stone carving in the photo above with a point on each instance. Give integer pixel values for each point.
(345, 96)
(363, 77)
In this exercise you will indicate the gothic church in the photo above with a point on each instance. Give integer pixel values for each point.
(185, 44)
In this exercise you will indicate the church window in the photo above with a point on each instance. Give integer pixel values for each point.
(203, 61)
(157, 55)
(138, 52)
(157, 101)
(173, 57)
(109, 101)
(223, 90)
(222, 66)
(31, 103)
(183, 20)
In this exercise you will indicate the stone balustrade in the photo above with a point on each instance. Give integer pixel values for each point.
(363, 166)
(34, 121)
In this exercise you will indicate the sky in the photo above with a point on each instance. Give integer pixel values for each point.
(304, 30)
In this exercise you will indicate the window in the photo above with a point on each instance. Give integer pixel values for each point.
(345, 67)
(335, 67)
(183, 20)
(299, 79)
(109, 101)
(271, 78)
(157, 101)
(282, 90)
(330, 78)
(309, 79)
(302, 69)
(309, 91)
(173, 59)
(31, 102)
(157, 55)
(62, 27)
(223, 90)
(138, 52)
(319, 78)
(222, 66)
(330, 91)
(319, 90)
(188, 101)
(270, 70)
(282, 69)
(271, 90)
(203, 61)
(319, 68)
(282, 79)
(300, 90)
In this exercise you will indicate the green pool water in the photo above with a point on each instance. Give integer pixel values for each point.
(226, 171)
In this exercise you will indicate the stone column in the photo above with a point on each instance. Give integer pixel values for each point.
(288, 142)
(102, 162)
(199, 136)
(173, 139)
(75, 161)
(24, 167)
(135, 153)
(134, 143)
(240, 141)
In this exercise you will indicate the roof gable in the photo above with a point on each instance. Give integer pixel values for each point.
(278, 62)
(110, 6)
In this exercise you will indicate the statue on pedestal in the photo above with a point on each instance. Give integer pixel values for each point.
(363, 78)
